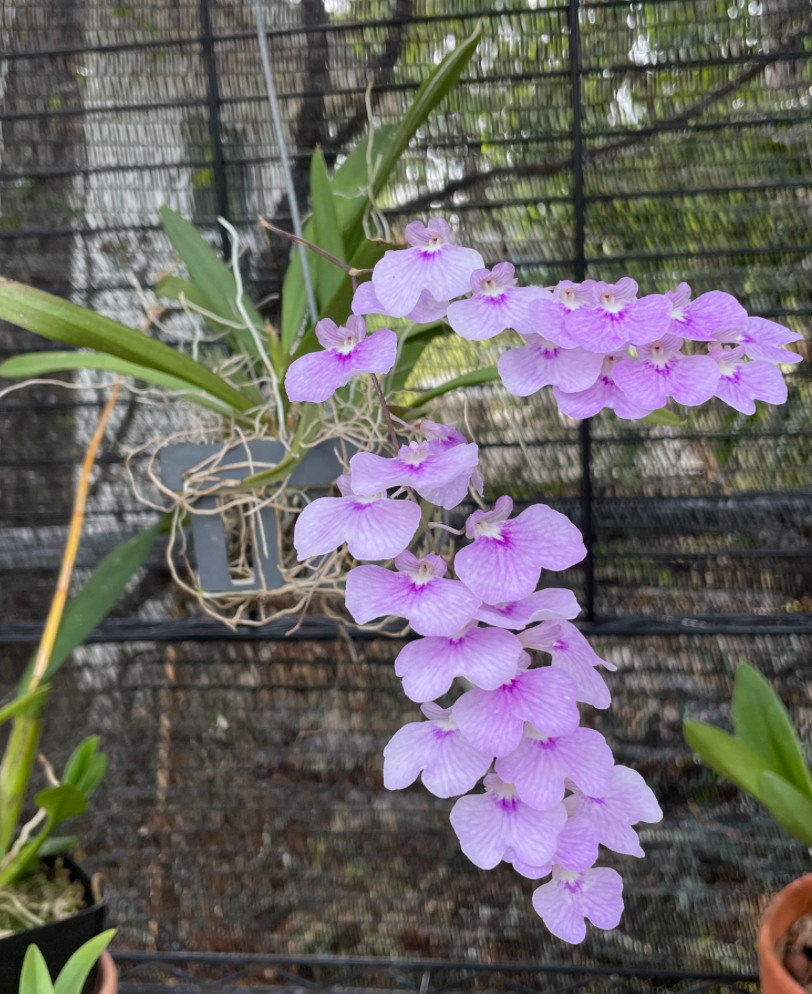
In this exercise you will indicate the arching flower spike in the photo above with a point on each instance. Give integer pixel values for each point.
(538, 364)
(427, 310)
(417, 592)
(604, 392)
(373, 527)
(449, 763)
(619, 318)
(743, 382)
(347, 352)
(421, 465)
(699, 319)
(432, 263)
(540, 764)
(569, 898)
(491, 824)
(628, 800)
(495, 720)
(505, 560)
(497, 303)
(662, 371)
(487, 657)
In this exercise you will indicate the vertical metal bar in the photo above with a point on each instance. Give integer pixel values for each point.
(213, 97)
(283, 155)
(585, 433)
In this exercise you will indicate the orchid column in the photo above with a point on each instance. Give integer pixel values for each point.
(508, 653)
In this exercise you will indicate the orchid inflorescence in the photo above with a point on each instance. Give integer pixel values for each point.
(552, 793)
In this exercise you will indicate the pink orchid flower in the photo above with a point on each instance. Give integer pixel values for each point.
(433, 263)
(570, 897)
(604, 392)
(347, 352)
(497, 303)
(699, 319)
(619, 318)
(761, 339)
(417, 592)
(628, 800)
(540, 363)
(573, 654)
(426, 311)
(742, 382)
(576, 849)
(547, 315)
(541, 605)
(662, 371)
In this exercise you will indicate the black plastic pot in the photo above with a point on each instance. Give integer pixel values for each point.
(57, 941)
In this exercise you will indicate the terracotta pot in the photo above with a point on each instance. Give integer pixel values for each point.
(793, 902)
(107, 975)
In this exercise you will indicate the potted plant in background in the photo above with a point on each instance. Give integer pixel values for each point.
(45, 898)
(765, 758)
(35, 977)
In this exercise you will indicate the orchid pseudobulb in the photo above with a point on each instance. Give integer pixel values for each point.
(506, 658)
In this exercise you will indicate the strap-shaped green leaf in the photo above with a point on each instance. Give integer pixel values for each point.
(96, 598)
(213, 279)
(33, 364)
(726, 755)
(350, 181)
(471, 379)
(762, 722)
(60, 320)
(175, 287)
(86, 766)
(75, 972)
(34, 977)
(328, 232)
(790, 808)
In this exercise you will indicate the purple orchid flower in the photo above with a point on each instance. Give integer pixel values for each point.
(576, 849)
(490, 824)
(541, 764)
(486, 656)
(573, 654)
(538, 364)
(417, 592)
(497, 303)
(494, 720)
(628, 800)
(541, 605)
(619, 318)
(547, 315)
(743, 382)
(373, 527)
(761, 339)
(569, 898)
(505, 560)
(604, 392)
(662, 371)
(449, 763)
(699, 319)
(347, 352)
(421, 465)
(433, 263)
(440, 438)
(426, 310)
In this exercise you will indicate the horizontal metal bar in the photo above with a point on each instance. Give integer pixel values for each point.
(323, 629)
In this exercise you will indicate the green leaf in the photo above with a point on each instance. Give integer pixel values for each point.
(41, 363)
(214, 280)
(413, 345)
(60, 320)
(663, 417)
(75, 972)
(34, 699)
(58, 845)
(86, 766)
(471, 379)
(726, 755)
(95, 600)
(294, 298)
(328, 232)
(34, 977)
(790, 808)
(762, 722)
(350, 181)
(61, 802)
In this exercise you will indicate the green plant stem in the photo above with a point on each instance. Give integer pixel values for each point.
(15, 772)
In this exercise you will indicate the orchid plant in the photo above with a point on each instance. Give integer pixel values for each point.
(498, 667)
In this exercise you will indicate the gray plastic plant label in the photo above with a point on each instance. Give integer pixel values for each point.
(318, 470)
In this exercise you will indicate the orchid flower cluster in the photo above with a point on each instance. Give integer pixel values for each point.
(552, 792)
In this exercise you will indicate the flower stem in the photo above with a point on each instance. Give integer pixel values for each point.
(351, 270)
(393, 438)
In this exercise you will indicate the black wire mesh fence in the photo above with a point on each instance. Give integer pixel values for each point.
(244, 809)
